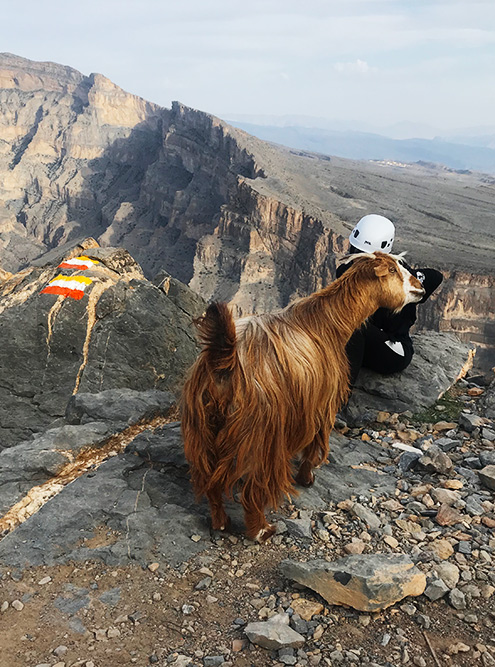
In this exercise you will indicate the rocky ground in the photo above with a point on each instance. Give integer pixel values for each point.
(398, 485)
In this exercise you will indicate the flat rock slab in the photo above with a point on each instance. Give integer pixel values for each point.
(439, 360)
(365, 582)
(140, 501)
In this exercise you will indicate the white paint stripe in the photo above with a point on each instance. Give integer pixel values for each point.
(70, 284)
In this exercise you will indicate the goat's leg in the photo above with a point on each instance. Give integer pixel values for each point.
(313, 455)
(254, 500)
(219, 518)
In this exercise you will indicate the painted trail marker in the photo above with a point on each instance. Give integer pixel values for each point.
(71, 286)
(82, 263)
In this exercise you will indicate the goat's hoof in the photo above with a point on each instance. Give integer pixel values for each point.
(221, 525)
(304, 481)
(265, 533)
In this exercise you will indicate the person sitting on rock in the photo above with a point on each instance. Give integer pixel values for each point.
(384, 343)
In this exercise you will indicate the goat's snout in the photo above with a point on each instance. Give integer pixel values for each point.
(416, 289)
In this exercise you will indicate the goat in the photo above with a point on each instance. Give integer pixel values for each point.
(267, 388)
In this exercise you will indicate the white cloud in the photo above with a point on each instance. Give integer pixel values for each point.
(357, 67)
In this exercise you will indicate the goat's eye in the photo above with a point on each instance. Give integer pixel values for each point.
(393, 269)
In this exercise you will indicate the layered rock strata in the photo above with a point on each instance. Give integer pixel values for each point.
(234, 217)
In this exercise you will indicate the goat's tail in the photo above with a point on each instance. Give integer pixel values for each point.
(207, 394)
(218, 337)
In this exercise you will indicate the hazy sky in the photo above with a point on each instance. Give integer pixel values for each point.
(376, 61)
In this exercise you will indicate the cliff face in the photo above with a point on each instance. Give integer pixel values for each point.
(233, 217)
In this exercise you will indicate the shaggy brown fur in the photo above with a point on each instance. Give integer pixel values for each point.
(268, 387)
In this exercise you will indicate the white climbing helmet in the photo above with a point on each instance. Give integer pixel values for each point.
(373, 232)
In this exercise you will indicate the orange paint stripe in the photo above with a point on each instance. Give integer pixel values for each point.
(63, 291)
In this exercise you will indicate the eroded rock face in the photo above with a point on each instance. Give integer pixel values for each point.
(124, 333)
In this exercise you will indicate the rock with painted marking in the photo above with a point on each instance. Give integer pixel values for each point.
(365, 582)
(124, 332)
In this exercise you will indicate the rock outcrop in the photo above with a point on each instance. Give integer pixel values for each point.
(126, 333)
(235, 218)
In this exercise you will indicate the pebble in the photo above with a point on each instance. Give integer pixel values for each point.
(187, 609)
(17, 605)
(45, 580)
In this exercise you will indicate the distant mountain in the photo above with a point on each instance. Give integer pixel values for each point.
(478, 154)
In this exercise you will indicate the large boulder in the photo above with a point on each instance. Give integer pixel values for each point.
(124, 333)
(439, 360)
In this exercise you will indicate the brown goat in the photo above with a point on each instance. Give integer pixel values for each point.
(267, 388)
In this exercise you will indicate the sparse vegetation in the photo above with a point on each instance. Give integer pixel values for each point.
(447, 408)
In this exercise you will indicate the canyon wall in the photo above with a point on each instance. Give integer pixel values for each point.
(231, 216)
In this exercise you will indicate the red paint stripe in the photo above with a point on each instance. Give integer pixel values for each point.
(68, 265)
(63, 291)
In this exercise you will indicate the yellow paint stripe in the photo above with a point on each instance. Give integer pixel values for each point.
(78, 279)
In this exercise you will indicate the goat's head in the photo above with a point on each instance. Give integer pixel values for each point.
(396, 285)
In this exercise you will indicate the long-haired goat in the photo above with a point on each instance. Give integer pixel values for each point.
(268, 387)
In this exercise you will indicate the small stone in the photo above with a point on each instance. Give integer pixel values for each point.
(195, 538)
(366, 515)
(441, 548)
(237, 645)
(187, 609)
(306, 608)
(391, 541)
(448, 573)
(423, 620)
(153, 567)
(100, 635)
(459, 647)
(448, 516)
(274, 634)
(122, 618)
(113, 632)
(4, 606)
(213, 660)
(457, 599)
(45, 580)
(419, 661)
(453, 484)
(355, 547)
(469, 422)
(392, 506)
(464, 547)
(436, 461)
(60, 651)
(487, 476)
(444, 426)
(299, 528)
(203, 584)
(436, 589)
(17, 604)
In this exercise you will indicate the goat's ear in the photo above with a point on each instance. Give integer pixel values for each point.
(381, 270)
